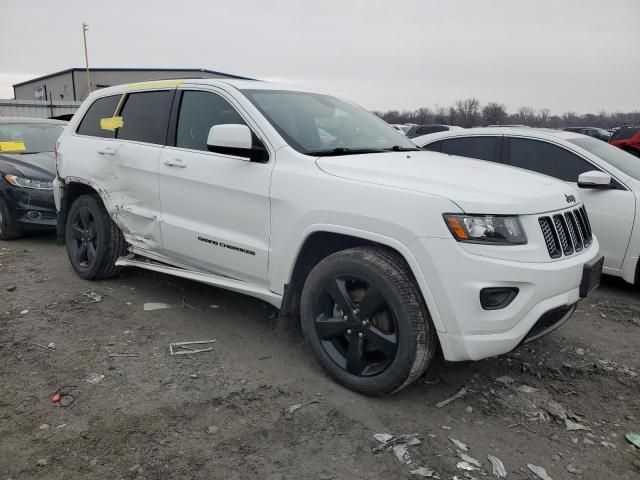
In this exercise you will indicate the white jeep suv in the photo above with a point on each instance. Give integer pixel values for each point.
(385, 252)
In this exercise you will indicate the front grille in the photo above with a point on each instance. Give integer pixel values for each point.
(566, 233)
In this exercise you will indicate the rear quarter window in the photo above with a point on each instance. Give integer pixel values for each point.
(483, 148)
(104, 107)
(434, 147)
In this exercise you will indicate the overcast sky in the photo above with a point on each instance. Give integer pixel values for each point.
(565, 55)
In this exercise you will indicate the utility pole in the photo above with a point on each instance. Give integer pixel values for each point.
(85, 27)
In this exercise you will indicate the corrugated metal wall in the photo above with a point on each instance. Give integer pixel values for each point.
(36, 108)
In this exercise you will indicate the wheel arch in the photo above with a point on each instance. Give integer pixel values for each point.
(321, 241)
(70, 189)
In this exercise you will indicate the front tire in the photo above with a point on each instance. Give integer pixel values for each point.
(8, 231)
(94, 242)
(365, 321)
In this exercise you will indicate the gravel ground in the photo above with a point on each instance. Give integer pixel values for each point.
(227, 413)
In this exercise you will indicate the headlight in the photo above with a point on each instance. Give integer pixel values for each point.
(490, 229)
(28, 183)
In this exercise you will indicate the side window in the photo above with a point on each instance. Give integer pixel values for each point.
(434, 147)
(102, 108)
(546, 158)
(199, 111)
(483, 148)
(145, 117)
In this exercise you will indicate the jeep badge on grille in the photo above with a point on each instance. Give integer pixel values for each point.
(570, 198)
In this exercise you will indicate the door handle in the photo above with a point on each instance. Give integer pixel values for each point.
(107, 151)
(175, 162)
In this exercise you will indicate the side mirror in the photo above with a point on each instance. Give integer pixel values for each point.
(237, 140)
(594, 179)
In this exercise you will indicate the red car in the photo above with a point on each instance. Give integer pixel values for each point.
(628, 139)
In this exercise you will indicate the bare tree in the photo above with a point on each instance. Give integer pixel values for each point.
(494, 114)
(526, 116)
(468, 112)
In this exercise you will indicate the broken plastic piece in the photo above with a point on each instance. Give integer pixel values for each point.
(498, 467)
(183, 349)
(387, 440)
(424, 472)
(634, 438)
(402, 453)
(149, 307)
(468, 459)
(462, 446)
(460, 394)
(466, 466)
(94, 378)
(539, 471)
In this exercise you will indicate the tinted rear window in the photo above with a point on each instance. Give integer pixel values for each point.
(104, 107)
(625, 133)
(483, 148)
(434, 147)
(145, 117)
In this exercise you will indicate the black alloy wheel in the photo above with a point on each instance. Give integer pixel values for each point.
(83, 242)
(94, 241)
(365, 321)
(356, 327)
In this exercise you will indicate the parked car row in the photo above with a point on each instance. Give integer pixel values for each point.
(27, 168)
(387, 253)
(608, 179)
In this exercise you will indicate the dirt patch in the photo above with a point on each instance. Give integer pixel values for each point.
(227, 413)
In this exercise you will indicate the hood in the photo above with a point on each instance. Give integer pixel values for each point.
(475, 186)
(38, 166)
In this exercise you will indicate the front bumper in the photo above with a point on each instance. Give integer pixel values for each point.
(30, 209)
(456, 275)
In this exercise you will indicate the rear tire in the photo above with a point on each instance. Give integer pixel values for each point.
(8, 231)
(94, 242)
(365, 321)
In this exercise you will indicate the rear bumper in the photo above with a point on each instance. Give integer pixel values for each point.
(30, 209)
(547, 295)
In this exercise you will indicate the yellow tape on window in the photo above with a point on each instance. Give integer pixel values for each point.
(111, 123)
(12, 147)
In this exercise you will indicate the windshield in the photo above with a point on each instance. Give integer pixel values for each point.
(624, 133)
(317, 124)
(623, 161)
(29, 137)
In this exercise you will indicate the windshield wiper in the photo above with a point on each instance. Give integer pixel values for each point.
(398, 148)
(344, 151)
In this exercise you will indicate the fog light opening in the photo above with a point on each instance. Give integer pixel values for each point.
(496, 298)
(33, 215)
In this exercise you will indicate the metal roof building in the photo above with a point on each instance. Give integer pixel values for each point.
(71, 84)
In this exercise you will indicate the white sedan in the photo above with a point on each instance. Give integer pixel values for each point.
(608, 179)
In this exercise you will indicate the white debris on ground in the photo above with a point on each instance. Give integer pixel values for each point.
(540, 472)
(149, 307)
(461, 445)
(499, 469)
(93, 297)
(94, 378)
